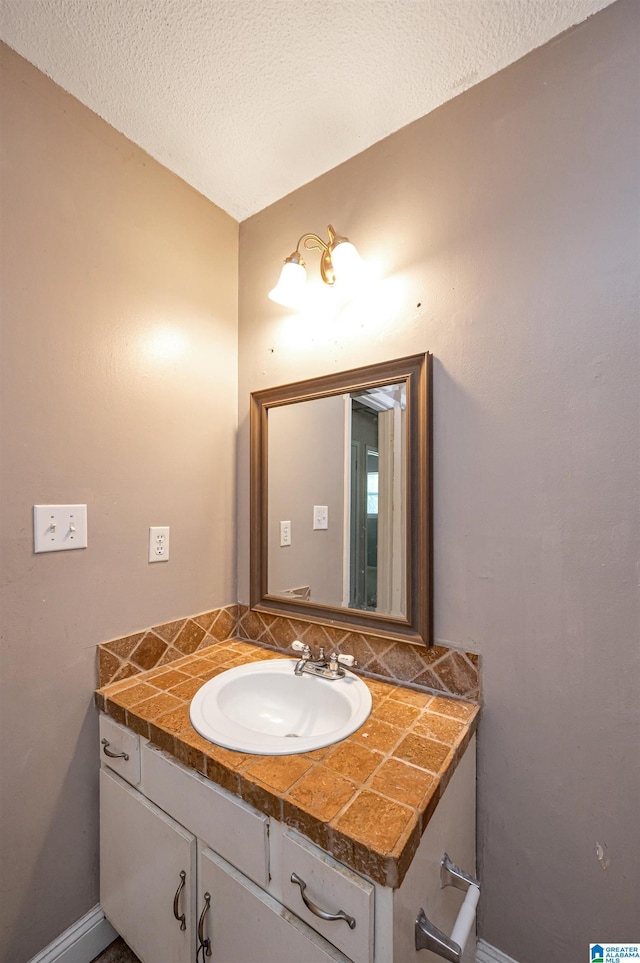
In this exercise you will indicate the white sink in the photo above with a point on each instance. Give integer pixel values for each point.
(263, 708)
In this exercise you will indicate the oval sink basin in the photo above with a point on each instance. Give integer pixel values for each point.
(263, 708)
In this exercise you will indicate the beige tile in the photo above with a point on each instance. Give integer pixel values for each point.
(424, 753)
(454, 708)
(134, 694)
(411, 697)
(148, 651)
(403, 782)
(168, 678)
(322, 792)
(176, 720)
(442, 728)
(156, 706)
(169, 630)
(353, 760)
(189, 637)
(396, 713)
(279, 772)
(457, 673)
(187, 690)
(377, 735)
(375, 821)
(125, 646)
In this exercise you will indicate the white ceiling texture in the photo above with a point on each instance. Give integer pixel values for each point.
(247, 100)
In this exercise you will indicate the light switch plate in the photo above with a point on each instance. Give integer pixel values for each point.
(320, 517)
(58, 528)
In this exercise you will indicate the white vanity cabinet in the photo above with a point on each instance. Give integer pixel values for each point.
(237, 895)
(169, 893)
(147, 874)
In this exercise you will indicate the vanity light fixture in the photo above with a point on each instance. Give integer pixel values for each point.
(339, 260)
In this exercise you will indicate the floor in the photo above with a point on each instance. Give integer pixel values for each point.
(118, 952)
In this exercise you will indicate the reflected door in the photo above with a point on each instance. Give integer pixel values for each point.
(364, 508)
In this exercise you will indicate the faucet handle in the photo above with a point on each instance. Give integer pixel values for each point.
(301, 647)
(347, 660)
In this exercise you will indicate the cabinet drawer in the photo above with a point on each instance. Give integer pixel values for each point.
(120, 750)
(331, 887)
(227, 824)
(247, 925)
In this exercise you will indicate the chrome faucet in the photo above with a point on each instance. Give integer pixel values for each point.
(306, 656)
(326, 669)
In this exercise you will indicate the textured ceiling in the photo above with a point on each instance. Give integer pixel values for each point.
(247, 100)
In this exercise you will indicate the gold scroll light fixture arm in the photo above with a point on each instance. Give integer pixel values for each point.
(339, 260)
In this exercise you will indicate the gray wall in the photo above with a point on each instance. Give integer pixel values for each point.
(119, 322)
(506, 225)
(306, 468)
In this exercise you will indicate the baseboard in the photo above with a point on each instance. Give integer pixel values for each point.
(82, 942)
(489, 954)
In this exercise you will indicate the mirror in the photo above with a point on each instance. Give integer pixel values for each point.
(341, 500)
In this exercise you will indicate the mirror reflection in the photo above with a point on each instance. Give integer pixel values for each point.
(341, 500)
(336, 479)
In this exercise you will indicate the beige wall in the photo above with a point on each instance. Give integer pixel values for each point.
(306, 468)
(506, 226)
(119, 295)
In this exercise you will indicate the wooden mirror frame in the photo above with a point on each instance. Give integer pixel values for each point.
(417, 626)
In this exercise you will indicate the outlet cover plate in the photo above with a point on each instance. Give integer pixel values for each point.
(159, 543)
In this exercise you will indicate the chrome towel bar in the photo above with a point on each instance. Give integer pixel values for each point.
(429, 937)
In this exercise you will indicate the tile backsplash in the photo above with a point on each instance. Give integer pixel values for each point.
(435, 669)
(163, 644)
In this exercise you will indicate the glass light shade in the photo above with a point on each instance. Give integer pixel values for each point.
(347, 264)
(289, 291)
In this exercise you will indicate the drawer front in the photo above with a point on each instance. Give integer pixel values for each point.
(120, 750)
(247, 925)
(331, 887)
(228, 825)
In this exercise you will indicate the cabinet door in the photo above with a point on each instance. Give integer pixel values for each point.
(246, 925)
(142, 855)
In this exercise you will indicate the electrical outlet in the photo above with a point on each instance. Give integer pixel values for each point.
(159, 543)
(285, 534)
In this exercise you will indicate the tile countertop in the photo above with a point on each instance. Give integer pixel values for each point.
(367, 800)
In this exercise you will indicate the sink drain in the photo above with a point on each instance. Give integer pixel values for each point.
(292, 735)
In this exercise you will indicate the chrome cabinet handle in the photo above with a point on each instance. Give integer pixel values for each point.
(113, 755)
(205, 945)
(311, 906)
(180, 917)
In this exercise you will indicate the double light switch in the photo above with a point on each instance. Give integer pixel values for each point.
(58, 528)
